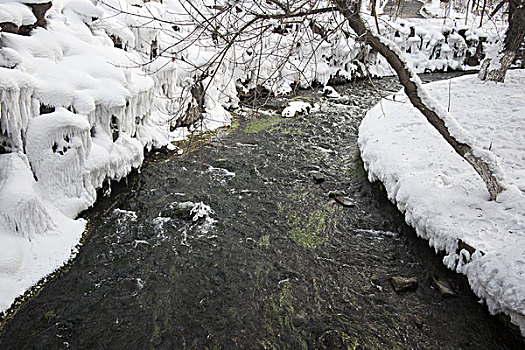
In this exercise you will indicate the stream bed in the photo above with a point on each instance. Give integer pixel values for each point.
(233, 245)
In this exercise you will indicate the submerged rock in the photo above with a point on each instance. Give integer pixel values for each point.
(443, 287)
(344, 201)
(318, 178)
(335, 339)
(404, 284)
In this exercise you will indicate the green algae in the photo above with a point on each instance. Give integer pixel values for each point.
(309, 227)
(277, 320)
(264, 241)
(308, 234)
(257, 125)
(293, 131)
(160, 319)
(51, 315)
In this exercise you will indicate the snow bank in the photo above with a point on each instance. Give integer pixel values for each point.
(35, 238)
(80, 102)
(443, 198)
(16, 13)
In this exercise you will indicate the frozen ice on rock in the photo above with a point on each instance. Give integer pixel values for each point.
(330, 92)
(296, 108)
(200, 210)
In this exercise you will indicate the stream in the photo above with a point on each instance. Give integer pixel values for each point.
(233, 245)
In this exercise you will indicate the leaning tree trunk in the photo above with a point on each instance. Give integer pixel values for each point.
(513, 41)
(411, 84)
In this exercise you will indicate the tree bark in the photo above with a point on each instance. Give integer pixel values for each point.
(408, 79)
(496, 9)
(513, 41)
(482, 12)
(467, 11)
(374, 13)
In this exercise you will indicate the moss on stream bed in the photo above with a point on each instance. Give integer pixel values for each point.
(257, 125)
(310, 224)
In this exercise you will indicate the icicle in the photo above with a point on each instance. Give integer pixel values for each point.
(22, 211)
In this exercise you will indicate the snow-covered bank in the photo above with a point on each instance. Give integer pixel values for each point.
(77, 108)
(443, 198)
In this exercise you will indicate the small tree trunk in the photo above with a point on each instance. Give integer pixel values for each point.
(513, 41)
(397, 10)
(374, 13)
(408, 79)
(467, 11)
(482, 12)
(497, 73)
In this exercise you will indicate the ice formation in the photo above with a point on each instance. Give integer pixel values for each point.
(296, 108)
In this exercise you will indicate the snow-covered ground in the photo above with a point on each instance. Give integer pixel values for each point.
(441, 195)
(83, 96)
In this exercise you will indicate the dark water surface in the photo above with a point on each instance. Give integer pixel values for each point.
(275, 263)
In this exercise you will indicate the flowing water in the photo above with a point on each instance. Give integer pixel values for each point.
(233, 246)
